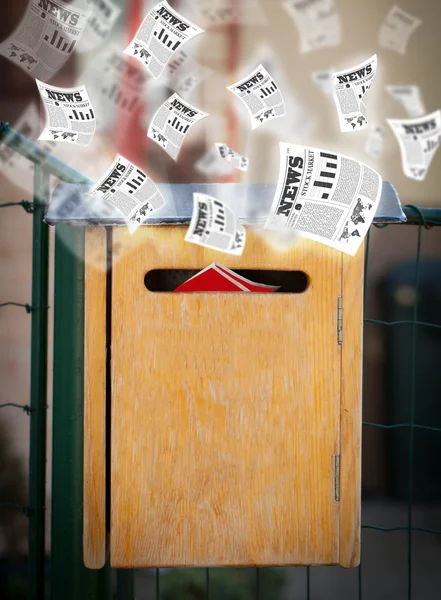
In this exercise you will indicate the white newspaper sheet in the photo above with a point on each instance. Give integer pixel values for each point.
(324, 80)
(171, 123)
(410, 97)
(212, 165)
(296, 120)
(375, 142)
(350, 87)
(69, 114)
(214, 225)
(102, 17)
(260, 95)
(226, 12)
(115, 85)
(324, 196)
(162, 32)
(45, 38)
(129, 190)
(418, 139)
(185, 73)
(396, 29)
(318, 23)
(234, 158)
(13, 165)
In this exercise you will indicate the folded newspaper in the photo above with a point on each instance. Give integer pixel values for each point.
(215, 226)
(46, 37)
(259, 93)
(217, 278)
(350, 87)
(324, 196)
(69, 114)
(160, 35)
(418, 140)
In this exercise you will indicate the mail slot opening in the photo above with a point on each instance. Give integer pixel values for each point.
(289, 282)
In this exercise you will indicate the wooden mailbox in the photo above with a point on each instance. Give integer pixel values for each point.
(235, 418)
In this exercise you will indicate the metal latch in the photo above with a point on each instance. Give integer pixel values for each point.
(339, 320)
(337, 477)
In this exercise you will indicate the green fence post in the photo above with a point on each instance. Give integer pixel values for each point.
(70, 580)
(125, 584)
(38, 402)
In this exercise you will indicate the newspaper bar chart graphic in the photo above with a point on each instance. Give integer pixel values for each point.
(176, 124)
(220, 217)
(80, 116)
(136, 182)
(53, 42)
(327, 174)
(431, 145)
(116, 95)
(364, 89)
(163, 37)
(268, 90)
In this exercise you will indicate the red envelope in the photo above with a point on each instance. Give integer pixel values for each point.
(252, 286)
(217, 278)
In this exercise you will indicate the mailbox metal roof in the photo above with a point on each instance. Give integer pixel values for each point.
(250, 202)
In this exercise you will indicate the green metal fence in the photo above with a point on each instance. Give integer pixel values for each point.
(69, 579)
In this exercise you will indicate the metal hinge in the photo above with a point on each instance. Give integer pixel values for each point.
(337, 477)
(339, 321)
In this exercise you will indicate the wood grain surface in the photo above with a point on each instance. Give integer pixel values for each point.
(94, 525)
(350, 455)
(225, 411)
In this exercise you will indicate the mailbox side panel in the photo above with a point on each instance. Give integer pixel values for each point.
(225, 410)
(350, 461)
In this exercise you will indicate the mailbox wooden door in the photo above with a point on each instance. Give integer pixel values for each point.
(235, 417)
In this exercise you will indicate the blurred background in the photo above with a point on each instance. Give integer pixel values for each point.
(246, 33)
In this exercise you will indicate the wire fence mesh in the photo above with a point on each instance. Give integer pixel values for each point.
(424, 219)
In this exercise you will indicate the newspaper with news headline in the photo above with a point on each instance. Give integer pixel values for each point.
(419, 140)
(214, 225)
(324, 196)
(350, 87)
(46, 37)
(69, 114)
(129, 190)
(160, 35)
(171, 123)
(259, 93)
